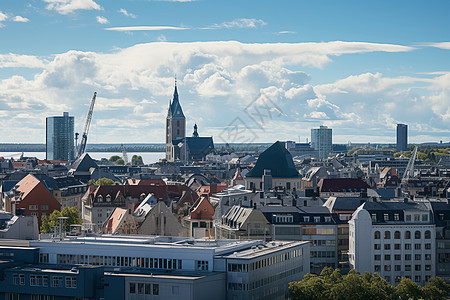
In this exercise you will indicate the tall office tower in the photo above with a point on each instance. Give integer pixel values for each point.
(321, 140)
(59, 138)
(402, 137)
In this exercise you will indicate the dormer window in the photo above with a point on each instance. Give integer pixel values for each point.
(306, 218)
(100, 198)
(108, 198)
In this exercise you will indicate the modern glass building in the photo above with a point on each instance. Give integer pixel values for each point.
(402, 137)
(60, 138)
(321, 140)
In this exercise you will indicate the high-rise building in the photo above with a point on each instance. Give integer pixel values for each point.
(402, 137)
(321, 140)
(60, 137)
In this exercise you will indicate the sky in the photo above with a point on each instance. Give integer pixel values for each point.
(246, 71)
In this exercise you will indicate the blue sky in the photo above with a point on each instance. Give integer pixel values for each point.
(359, 67)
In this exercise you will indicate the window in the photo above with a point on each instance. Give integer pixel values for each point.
(147, 288)
(45, 280)
(19, 279)
(377, 246)
(387, 267)
(417, 278)
(386, 217)
(377, 257)
(417, 235)
(316, 219)
(407, 235)
(35, 280)
(387, 278)
(387, 246)
(328, 219)
(428, 246)
(397, 235)
(407, 246)
(377, 235)
(398, 268)
(141, 288)
(424, 218)
(44, 207)
(427, 256)
(202, 265)
(427, 267)
(397, 246)
(407, 267)
(417, 257)
(396, 217)
(417, 246)
(387, 257)
(132, 287)
(408, 218)
(155, 289)
(71, 282)
(377, 268)
(407, 256)
(387, 235)
(416, 218)
(397, 257)
(306, 219)
(32, 207)
(57, 281)
(428, 234)
(374, 217)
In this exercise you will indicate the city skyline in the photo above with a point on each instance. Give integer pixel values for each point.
(357, 68)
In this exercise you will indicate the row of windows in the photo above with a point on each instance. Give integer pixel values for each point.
(327, 219)
(398, 246)
(318, 231)
(36, 207)
(120, 261)
(324, 254)
(398, 268)
(323, 243)
(397, 235)
(237, 267)
(397, 279)
(43, 280)
(275, 259)
(144, 288)
(398, 257)
(262, 282)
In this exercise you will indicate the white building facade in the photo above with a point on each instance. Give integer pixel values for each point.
(322, 141)
(393, 239)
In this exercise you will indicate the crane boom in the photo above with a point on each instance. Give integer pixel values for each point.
(409, 171)
(83, 143)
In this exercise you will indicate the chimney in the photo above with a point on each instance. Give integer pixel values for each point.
(267, 179)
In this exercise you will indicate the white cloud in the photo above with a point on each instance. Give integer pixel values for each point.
(217, 81)
(241, 23)
(21, 19)
(126, 13)
(102, 20)
(287, 32)
(443, 45)
(3, 17)
(65, 7)
(146, 28)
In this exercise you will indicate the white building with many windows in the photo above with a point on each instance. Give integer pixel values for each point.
(393, 239)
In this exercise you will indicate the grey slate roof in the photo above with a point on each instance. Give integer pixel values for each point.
(277, 159)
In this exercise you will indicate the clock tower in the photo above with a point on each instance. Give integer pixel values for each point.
(175, 128)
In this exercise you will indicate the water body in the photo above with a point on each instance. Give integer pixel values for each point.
(147, 157)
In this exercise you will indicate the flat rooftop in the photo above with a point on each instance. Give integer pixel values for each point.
(265, 248)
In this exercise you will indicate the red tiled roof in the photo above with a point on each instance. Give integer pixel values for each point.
(133, 191)
(202, 210)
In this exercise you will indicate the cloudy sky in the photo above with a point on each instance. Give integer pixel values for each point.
(246, 70)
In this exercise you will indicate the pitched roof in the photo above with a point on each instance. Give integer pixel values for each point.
(277, 159)
(84, 163)
(175, 110)
(342, 185)
(202, 210)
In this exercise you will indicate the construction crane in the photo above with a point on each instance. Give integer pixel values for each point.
(409, 171)
(124, 155)
(82, 147)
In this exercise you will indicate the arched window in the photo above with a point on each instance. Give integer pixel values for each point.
(417, 235)
(397, 235)
(408, 235)
(377, 235)
(387, 234)
(428, 234)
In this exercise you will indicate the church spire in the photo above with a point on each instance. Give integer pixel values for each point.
(175, 109)
(195, 134)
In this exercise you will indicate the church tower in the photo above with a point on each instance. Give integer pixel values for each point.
(175, 127)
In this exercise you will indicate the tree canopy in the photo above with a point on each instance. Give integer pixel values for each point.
(101, 181)
(331, 284)
(48, 222)
(137, 160)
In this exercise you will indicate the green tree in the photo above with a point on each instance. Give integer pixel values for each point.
(407, 289)
(137, 160)
(101, 181)
(119, 162)
(48, 222)
(114, 158)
